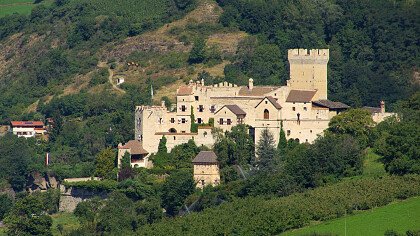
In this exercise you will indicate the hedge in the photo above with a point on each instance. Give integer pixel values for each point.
(257, 216)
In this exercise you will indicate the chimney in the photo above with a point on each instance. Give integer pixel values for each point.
(382, 107)
(163, 103)
(250, 84)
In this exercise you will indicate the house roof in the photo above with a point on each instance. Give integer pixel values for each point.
(300, 95)
(331, 104)
(256, 91)
(373, 109)
(184, 90)
(135, 147)
(234, 109)
(272, 100)
(205, 157)
(27, 123)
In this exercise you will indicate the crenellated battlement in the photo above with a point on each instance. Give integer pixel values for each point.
(308, 54)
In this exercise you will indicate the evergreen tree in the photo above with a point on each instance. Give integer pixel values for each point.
(198, 52)
(162, 149)
(281, 147)
(265, 150)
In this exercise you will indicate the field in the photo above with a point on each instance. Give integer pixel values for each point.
(8, 7)
(399, 216)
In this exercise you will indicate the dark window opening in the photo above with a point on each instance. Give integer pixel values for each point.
(221, 121)
(183, 121)
(183, 108)
(172, 120)
(229, 122)
(288, 132)
(200, 108)
(196, 98)
(266, 114)
(199, 120)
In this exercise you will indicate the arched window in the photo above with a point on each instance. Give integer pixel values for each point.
(172, 130)
(266, 114)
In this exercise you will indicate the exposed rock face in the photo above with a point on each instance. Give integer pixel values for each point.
(70, 197)
(37, 182)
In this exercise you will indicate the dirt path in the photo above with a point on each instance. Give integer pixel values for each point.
(111, 75)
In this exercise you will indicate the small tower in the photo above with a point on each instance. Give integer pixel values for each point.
(206, 169)
(308, 70)
(382, 106)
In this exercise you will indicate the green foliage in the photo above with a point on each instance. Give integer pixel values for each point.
(400, 148)
(282, 145)
(399, 216)
(266, 152)
(18, 159)
(27, 217)
(86, 211)
(256, 215)
(198, 51)
(105, 163)
(148, 211)
(235, 148)
(109, 218)
(193, 126)
(162, 146)
(99, 77)
(6, 203)
(95, 185)
(355, 122)
(366, 64)
(175, 189)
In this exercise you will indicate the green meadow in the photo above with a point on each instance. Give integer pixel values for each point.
(398, 216)
(9, 7)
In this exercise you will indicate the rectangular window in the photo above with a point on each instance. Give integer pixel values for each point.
(288, 132)
(183, 108)
(221, 121)
(196, 98)
(294, 108)
(172, 120)
(212, 108)
(200, 108)
(305, 109)
(183, 131)
(183, 121)
(199, 120)
(229, 122)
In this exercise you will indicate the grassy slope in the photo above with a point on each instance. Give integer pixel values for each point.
(401, 216)
(68, 220)
(8, 7)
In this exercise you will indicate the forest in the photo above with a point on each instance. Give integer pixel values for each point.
(374, 55)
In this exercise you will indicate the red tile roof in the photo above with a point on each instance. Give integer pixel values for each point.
(300, 95)
(184, 90)
(235, 109)
(27, 123)
(135, 147)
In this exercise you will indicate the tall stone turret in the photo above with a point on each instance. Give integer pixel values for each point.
(308, 70)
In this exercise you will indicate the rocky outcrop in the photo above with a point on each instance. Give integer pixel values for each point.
(39, 182)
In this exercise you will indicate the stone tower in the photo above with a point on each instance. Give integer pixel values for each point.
(308, 70)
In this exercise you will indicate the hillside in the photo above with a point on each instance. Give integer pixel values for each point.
(400, 217)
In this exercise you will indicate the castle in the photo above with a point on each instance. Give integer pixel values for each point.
(301, 107)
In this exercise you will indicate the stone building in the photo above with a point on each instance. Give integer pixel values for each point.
(138, 156)
(302, 107)
(378, 113)
(29, 129)
(206, 169)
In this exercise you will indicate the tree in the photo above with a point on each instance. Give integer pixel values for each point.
(266, 151)
(27, 217)
(148, 211)
(401, 148)
(175, 189)
(244, 145)
(183, 154)
(282, 145)
(198, 52)
(183, 4)
(17, 157)
(109, 217)
(105, 163)
(6, 204)
(356, 122)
